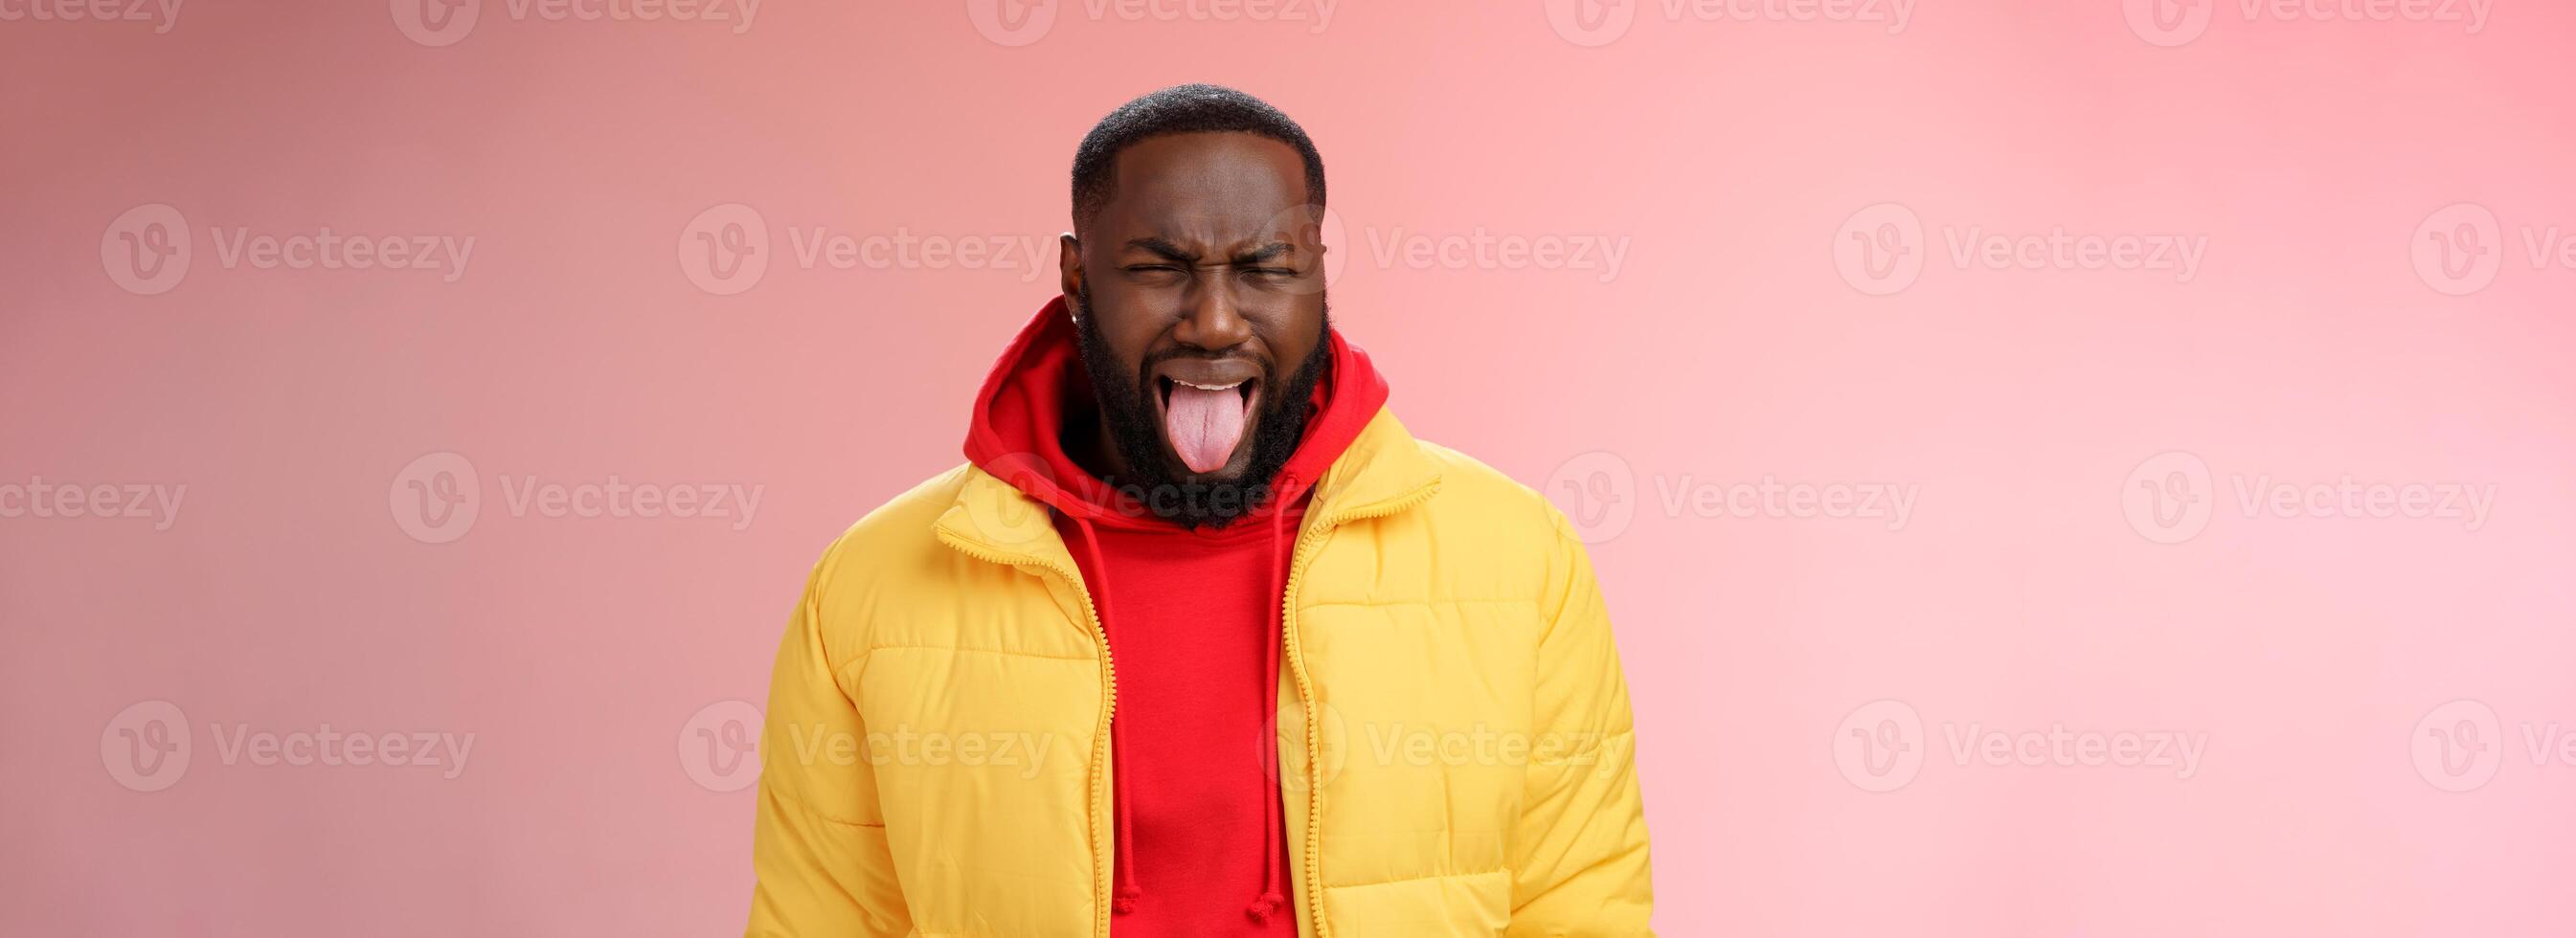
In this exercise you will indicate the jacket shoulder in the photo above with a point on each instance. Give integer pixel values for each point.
(902, 523)
(1492, 503)
(1522, 543)
(893, 547)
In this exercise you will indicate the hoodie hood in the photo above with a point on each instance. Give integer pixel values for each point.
(1016, 431)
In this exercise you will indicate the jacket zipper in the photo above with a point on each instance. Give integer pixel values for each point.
(1102, 872)
(1297, 561)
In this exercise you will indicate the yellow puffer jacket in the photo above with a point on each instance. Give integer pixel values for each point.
(1454, 729)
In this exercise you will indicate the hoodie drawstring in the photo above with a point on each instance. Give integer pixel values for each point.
(1270, 899)
(1124, 900)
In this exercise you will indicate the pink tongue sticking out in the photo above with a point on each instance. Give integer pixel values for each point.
(1204, 425)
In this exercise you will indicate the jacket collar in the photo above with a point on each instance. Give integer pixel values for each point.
(1384, 469)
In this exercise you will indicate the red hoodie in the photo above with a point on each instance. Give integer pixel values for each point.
(1193, 622)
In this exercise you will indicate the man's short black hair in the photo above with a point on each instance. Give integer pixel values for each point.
(1180, 109)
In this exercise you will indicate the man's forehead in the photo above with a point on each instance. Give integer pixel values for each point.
(1207, 184)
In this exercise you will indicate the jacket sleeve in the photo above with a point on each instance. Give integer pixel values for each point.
(819, 845)
(1579, 854)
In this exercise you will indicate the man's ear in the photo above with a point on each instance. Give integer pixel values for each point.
(1068, 264)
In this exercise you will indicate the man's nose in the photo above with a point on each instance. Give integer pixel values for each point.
(1213, 321)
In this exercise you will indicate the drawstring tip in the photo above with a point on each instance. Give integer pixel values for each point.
(1126, 900)
(1263, 907)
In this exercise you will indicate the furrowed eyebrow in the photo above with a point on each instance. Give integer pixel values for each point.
(1163, 248)
(1268, 252)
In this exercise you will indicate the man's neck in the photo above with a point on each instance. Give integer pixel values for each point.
(1087, 441)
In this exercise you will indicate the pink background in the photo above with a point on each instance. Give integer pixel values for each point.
(2033, 584)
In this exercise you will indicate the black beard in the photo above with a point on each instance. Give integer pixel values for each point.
(1129, 415)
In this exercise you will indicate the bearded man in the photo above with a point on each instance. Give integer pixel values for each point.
(1200, 641)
